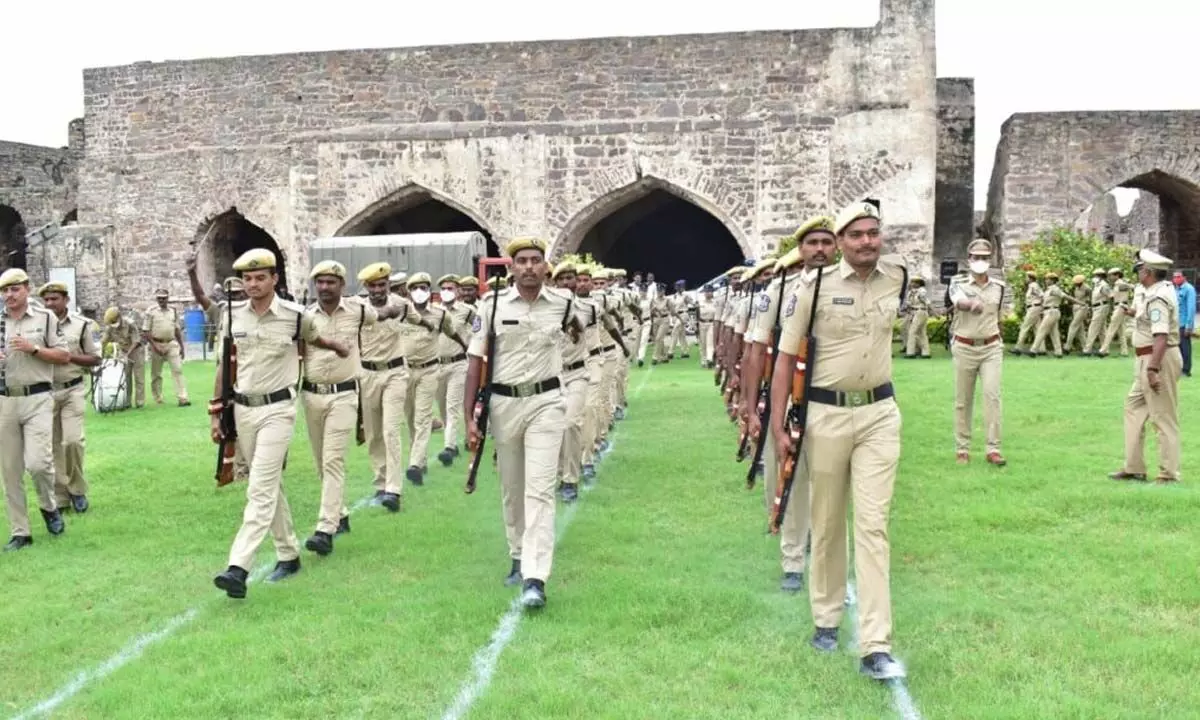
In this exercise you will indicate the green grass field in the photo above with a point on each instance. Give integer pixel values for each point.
(1040, 590)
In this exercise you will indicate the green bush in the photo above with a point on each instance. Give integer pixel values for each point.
(1068, 253)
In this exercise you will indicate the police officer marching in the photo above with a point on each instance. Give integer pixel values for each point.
(30, 347)
(526, 323)
(852, 440)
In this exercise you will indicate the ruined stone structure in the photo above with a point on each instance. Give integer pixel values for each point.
(1138, 227)
(1050, 167)
(678, 155)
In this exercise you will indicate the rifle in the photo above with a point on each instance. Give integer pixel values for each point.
(797, 417)
(227, 446)
(764, 392)
(483, 398)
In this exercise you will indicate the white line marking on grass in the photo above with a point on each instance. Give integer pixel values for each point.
(134, 648)
(902, 699)
(485, 660)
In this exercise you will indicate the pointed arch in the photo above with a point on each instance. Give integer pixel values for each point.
(572, 235)
(220, 239)
(13, 244)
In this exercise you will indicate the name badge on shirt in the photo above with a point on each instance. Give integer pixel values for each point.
(843, 301)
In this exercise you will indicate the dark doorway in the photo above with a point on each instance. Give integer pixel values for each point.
(419, 212)
(1178, 226)
(666, 235)
(12, 239)
(226, 237)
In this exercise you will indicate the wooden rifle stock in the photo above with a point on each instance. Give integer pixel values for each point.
(483, 397)
(227, 447)
(797, 417)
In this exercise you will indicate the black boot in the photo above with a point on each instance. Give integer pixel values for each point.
(233, 582)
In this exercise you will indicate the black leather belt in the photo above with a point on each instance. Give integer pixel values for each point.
(26, 390)
(381, 365)
(69, 384)
(420, 366)
(456, 358)
(1099, 305)
(329, 388)
(851, 398)
(606, 348)
(526, 390)
(260, 400)
(574, 366)
(595, 351)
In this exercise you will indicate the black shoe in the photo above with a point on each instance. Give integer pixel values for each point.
(391, 501)
(825, 639)
(641, 363)
(16, 542)
(514, 575)
(881, 666)
(533, 595)
(343, 525)
(793, 582)
(415, 476)
(284, 569)
(446, 457)
(570, 493)
(233, 582)
(54, 522)
(454, 450)
(80, 503)
(320, 543)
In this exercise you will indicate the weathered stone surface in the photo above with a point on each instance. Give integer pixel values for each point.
(1051, 166)
(954, 225)
(86, 248)
(38, 182)
(759, 129)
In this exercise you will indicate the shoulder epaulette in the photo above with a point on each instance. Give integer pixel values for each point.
(293, 306)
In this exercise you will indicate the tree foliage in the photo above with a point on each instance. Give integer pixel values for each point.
(1067, 252)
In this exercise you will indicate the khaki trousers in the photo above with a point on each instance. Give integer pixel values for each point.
(452, 383)
(971, 362)
(916, 340)
(529, 434)
(644, 337)
(1160, 408)
(135, 378)
(704, 338)
(660, 329)
(1096, 328)
(593, 414)
(330, 419)
(796, 520)
(26, 431)
(852, 450)
(679, 337)
(68, 443)
(622, 374)
(383, 402)
(1048, 328)
(608, 391)
(1116, 330)
(1033, 316)
(570, 459)
(264, 434)
(173, 359)
(418, 412)
(1077, 332)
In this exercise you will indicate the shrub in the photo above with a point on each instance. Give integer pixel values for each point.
(1068, 253)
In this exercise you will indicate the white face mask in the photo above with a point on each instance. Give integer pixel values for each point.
(419, 296)
(979, 267)
(448, 296)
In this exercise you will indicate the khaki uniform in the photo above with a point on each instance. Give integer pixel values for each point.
(594, 423)
(1077, 332)
(330, 399)
(527, 410)
(161, 325)
(978, 352)
(1052, 301)
(1122, 294)
(917, 339)
(27, 415)
(704, 329)
(794, 533)
(384, 391)
(70, 399)
(853, 438)
(627, 323)
(1101, 293)
(660, 326)
(453, 374)
(1157, 313)
(645, 328)
(268, 368)
(1033, 314)
(580, 420)
(422, 351)
(678, 304)
(125, 335)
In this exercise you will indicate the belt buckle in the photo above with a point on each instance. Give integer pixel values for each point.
(324, 388)
(523, 391)
(855, 398)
